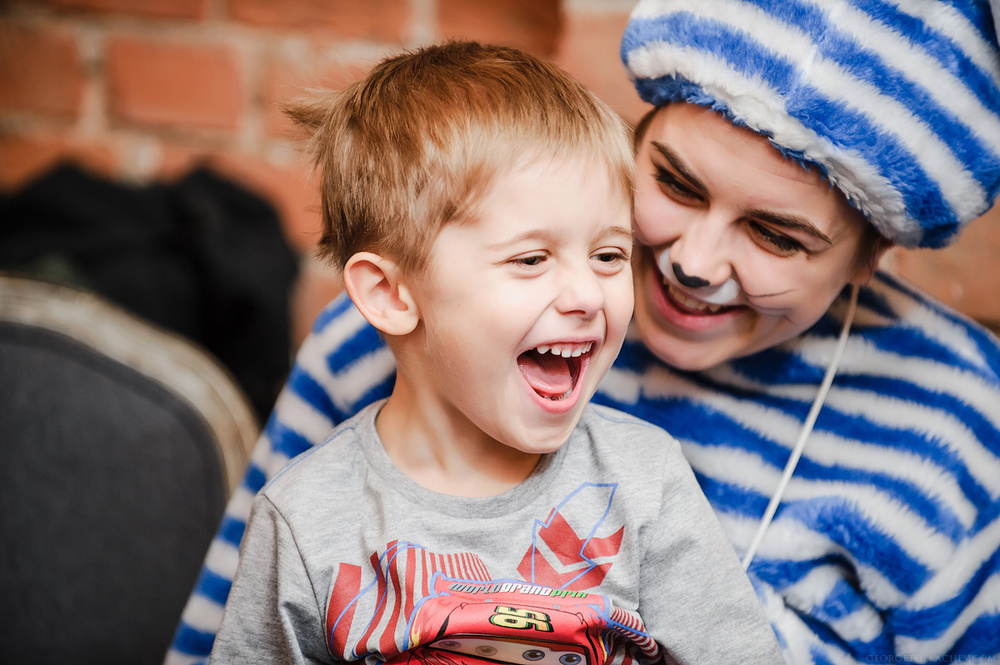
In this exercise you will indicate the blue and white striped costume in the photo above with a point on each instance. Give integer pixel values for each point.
(887, 542)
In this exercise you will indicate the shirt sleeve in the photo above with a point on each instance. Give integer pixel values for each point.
(272, 615)
(695, 599)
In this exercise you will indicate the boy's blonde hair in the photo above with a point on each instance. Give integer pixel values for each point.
(416, 143)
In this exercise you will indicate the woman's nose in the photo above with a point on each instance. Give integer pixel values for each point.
(724, 293)
(685, 279)
(698, 257)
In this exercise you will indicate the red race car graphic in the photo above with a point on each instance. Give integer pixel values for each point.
(483, 623)
(410, 602)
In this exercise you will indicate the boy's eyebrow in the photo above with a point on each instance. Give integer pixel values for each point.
(542, 234)
(619, 231)
(792, 222)
(532, 234)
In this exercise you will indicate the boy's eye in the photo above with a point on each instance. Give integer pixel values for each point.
(778, 243)
(611, 256)
(673, 186)
(529, 260)
(610, 261)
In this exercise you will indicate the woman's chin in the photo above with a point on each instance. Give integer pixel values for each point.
(683, 355)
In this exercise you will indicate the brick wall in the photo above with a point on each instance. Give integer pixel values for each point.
(143, 89)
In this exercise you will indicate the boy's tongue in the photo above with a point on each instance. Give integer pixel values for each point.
(547, 373)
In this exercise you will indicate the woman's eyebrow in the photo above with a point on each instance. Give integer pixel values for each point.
(792, 222)
(678, 165)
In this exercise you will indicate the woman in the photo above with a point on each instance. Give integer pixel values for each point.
(845, 427)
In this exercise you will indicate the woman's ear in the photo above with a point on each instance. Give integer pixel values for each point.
(380, 293)
(867, 269)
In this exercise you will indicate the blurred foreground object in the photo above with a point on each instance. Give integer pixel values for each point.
(122, 444)
(203, 257)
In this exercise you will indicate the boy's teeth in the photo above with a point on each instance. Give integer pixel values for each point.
(565, 350)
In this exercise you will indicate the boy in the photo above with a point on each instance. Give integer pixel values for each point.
(478, 201)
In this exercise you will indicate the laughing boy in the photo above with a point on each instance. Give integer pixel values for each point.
(478, 202)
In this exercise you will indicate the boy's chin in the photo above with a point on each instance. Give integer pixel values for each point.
(547, 432)
(540, 443)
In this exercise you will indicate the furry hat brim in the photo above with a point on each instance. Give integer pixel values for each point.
(898, 105)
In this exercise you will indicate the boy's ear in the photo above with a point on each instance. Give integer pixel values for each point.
(376, 286)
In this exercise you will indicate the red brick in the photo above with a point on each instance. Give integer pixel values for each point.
(532, 25)
(40, 71)
(193, 9)
(385, 20)
(174, 85)
(285, 81)
(24, 158)
(964, 275)
(589, 50)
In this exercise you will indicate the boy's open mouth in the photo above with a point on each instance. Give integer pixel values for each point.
(552, 371)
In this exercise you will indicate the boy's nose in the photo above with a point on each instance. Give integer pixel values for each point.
(580, 293)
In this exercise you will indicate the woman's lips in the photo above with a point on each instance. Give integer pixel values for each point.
(691, 305)
(682, 310)
(722, 295)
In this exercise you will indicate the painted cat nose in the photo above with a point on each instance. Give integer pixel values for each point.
(688, 280)
(722, 294)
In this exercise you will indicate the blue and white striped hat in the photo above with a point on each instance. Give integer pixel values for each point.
(897, 101)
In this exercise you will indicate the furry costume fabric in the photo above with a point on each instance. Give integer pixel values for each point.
(898, 103)
(887, 545)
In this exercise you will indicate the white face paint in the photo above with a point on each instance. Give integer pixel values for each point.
(728, 204)
(720, 294)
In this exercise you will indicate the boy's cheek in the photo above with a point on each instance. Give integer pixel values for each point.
(624, 297)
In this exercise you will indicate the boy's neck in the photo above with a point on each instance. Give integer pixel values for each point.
(459, 460)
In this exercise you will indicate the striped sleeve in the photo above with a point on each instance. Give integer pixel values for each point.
(887, 541)
(341, 367)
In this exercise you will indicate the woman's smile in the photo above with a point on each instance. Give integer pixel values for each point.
(752, 248)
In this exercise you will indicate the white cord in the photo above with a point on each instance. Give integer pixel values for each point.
(807, 427)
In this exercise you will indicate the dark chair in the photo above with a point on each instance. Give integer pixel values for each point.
(121, 444)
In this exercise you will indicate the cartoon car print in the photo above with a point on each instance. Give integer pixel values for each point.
(465, 622)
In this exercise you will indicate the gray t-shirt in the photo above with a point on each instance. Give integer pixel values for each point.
(608, 552)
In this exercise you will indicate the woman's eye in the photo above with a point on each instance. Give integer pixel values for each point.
(673, 186)
(778, 243)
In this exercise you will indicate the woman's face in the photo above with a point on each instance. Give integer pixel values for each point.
(757, 247)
